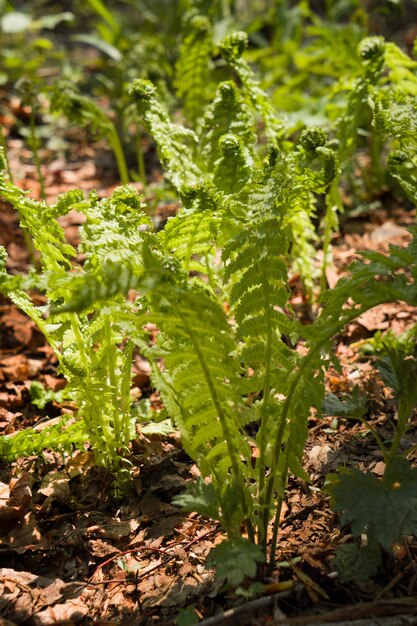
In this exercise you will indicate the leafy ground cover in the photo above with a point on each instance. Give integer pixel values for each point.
(91, 531)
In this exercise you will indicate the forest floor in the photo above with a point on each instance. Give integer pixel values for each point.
(73, 553)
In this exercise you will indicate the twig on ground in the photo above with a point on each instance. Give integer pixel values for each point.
(252, 605)
(146, 549)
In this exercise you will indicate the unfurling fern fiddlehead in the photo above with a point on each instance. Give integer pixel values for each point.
(172, 140)
(232, 48)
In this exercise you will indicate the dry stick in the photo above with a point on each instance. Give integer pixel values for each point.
(146, 549)
(384, 608)
(259, 603)
(394, 581)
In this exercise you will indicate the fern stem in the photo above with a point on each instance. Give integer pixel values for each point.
(125, 393)
(111, 372)
(116, 146)
(376, 437)
(226, 9)
(262, 532)
(75, 326)
(276, 451)
(140, 160)
(277, 520)
(34, 142)
(3, 144)
(98, 418)
(404, 410)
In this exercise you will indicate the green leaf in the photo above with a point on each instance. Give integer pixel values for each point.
(236, 560)
(354, 563)
(99, 44)
(386, 509)
(51, 21)
(200, 497)
(399, 372)
(40, 396)
(354, 406)
(187, 617)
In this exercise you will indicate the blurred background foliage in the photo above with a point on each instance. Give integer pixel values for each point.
(304, 54)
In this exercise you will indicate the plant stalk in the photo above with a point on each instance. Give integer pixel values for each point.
(117, 148)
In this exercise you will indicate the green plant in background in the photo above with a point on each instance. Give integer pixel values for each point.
(86, 113)
(193, 66)
(22, 30)
(25, 73)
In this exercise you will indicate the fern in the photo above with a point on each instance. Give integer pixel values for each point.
(233, 168)
(30, 442)
(228, 113)
(199, 385)
(84, 112)
(232, 48)
(193, 66)
(171, 139)
(215, 281)
(194, 234)
(94, 353)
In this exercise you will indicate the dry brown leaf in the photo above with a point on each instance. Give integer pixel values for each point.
(23, 535)
(55, 485)
(115, 530)
(73, 610)
(20, 491)
(15, 367)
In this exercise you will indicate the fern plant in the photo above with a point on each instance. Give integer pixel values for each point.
(232, 48)
(83, 111)
(94, 352)
(238, 394)
(216, 284)
(193, 65)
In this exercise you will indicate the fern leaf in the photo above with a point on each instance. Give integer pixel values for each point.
(172, 140)
(233, 169)
(39, 219)
(228, 113)
(80, 109)
(232, 48)
(195, 233)
(114, 228)
(193, 66)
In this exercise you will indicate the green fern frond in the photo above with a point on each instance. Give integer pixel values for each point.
(84, 112)
(40, 221)
(194, 233)
(233, 168)
(395, 118)
(114, 228)
(199, 383)
(173, 141)
(228, 113)
(30, 442)
(80, 109)
(404, 169)
(193, 66)
(402, 70)
(232, 48)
